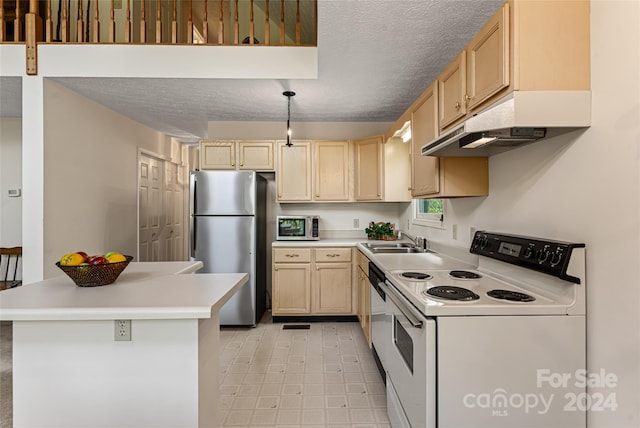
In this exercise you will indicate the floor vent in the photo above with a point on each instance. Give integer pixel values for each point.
(296, 327)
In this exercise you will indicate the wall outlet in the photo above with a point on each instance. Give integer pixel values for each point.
(122, 330)
(356, 223)
(454, 231)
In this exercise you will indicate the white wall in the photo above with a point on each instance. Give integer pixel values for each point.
(90, 175)
(585, 187)
(10, 178)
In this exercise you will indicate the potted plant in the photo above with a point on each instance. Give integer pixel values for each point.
(380, 230)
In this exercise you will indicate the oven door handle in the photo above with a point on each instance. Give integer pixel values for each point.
(414, 320)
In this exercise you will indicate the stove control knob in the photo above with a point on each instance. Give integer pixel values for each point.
(555, 258)
(543, 255)
(528, 253)
(483, 242)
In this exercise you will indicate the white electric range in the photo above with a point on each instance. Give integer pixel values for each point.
(483, 346)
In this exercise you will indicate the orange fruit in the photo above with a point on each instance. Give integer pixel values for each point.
(72, 259)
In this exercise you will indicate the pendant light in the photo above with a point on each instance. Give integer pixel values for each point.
(289, 94)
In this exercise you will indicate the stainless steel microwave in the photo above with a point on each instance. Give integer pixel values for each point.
(297, 228)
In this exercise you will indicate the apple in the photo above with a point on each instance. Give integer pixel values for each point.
(98, 260)
(84, 255)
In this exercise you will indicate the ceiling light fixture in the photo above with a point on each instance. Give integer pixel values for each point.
(289, 94)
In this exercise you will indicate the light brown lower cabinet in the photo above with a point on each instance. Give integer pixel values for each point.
(312, 281)
(364, 296)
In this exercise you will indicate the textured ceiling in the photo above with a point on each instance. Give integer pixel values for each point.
(374, 58)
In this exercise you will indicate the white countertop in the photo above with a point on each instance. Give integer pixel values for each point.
(330, 242)
(390, 262)
(142, 291)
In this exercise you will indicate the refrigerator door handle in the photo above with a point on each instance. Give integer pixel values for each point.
(192, 235)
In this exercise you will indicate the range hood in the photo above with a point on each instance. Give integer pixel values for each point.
(520, 118)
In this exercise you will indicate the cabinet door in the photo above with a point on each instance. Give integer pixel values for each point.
(366, 325)
(291, 288)
(424, 128)
(451, 91)
(331, 180)
(256, 155)
(369, 166)
(488, 59)
(217, 155)
(332, 288)
(293, 175)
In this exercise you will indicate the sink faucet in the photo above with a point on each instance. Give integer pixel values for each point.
(402, 233)
(418, 241)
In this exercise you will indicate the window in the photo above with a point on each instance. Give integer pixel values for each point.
(428, 211)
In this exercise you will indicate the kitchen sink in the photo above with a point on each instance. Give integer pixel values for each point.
(372, 245)
(397, 250)
(394, 248)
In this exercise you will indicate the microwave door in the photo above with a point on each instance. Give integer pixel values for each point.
(292, 228)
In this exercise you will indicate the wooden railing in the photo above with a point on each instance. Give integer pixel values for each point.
(236, 22)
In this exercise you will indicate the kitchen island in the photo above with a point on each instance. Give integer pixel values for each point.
(71, 368)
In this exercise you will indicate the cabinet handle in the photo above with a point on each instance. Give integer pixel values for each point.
(457, 105)
(292, 255)
(242, 164)
(233, 164)
(467, 98)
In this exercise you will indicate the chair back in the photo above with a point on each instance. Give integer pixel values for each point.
(10, 263)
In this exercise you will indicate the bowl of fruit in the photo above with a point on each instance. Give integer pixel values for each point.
(93, 271)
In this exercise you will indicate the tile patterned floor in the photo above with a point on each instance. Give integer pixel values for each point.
(321, 377)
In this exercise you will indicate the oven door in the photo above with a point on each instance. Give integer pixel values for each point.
(411, 363)
(380, 321)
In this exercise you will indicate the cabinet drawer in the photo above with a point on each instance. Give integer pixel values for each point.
(291, 255)
(333, 255)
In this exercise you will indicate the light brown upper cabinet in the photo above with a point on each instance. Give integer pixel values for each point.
(488, 59)
(293, 176)
(478, 72)
(217, 154)
(331, 177)
(222, 155)
(452, 86)
(526, 46)
(369, 169)
(424, 128)
(256, 155)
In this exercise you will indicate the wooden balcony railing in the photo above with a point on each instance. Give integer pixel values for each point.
(235, 22)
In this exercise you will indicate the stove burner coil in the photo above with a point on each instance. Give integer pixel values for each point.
(512, 296)
(416, 275)
(450, 292)
(464, 274)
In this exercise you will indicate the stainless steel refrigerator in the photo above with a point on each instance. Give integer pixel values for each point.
(228, 234)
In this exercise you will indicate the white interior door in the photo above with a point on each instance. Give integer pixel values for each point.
(150, 208)
(172, 233)
(162, 210)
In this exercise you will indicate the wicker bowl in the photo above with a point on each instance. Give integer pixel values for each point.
(95, 275)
